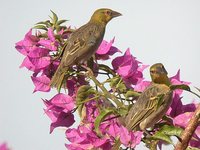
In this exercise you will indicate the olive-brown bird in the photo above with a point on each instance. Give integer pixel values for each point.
(83, 43)
(153, 103)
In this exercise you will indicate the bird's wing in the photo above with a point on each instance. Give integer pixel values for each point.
(146, 104)
(79, 43)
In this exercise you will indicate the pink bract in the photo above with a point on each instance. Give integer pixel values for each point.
(4, 146)
(106, 49)
(51, 42)
(41, 83)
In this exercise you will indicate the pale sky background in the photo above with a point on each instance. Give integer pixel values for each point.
(166, 31)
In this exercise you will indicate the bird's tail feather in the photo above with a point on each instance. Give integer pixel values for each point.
(58, 78)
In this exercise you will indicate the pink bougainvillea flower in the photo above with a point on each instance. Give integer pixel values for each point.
(183, 119)
(63, 101)
(178, 107)
(195, 141)
(38, 52)
(40, 63)
(4, 146)
(60, 119)
(25, 46)
(130, 139)
(92, 111)
(134, 79)
(141, 86)
(41, 83)
(63, 120)
(51, 42)
(72, 87)
(175, 80)
(28, 64)
(21, 48)
(59, 111)
(128, 68)
(60, 108)
(125, 65)
(50, 69)
(36, 64)
(106, 49)
(113, 130)
(74, 83)
(36, 59)
(85, 138)
(65, 34)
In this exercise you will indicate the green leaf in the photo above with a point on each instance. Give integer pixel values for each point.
(83, 93)
(132, 93)
(117, 83)
(180, 86)
(80, 110)
(161, 136)
(114, 81)
(165, 132)
(55, 18)
(123, 111)
(46, 23)
(121, 87)
(82, 97)
(103, 114)
(106, 69)
(42, 27)
(61, 21)
(171, 130)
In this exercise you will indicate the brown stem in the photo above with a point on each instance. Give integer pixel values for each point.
(186, 135)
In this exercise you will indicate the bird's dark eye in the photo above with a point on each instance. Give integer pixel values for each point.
(108, 13)
(152, 71)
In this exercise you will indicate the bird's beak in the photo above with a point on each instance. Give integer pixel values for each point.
(164, 70)
(115, 14)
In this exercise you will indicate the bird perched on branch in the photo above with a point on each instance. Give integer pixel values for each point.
(153, 103)
(83, 43)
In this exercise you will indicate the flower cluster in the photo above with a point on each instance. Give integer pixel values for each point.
(4, 146)
(84, 136)
(99, 127)
(38, 59)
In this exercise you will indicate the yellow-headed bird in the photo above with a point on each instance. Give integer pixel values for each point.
(83, 43)
(153, 103)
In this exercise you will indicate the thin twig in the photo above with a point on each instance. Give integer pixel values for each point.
(104, 90)
(187, 134)
(111, 118)
(103, 73)
(194, 94)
